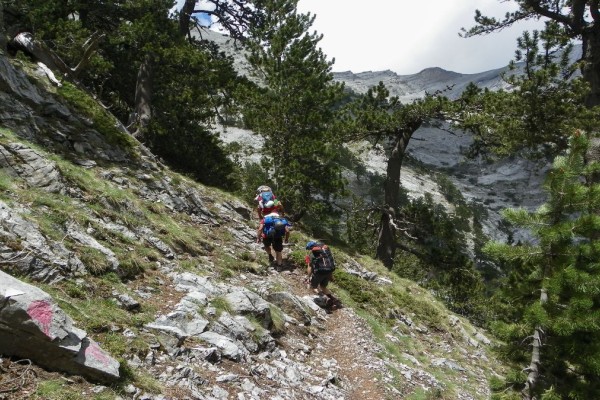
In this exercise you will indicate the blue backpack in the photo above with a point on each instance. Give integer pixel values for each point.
(274, 227)
(266, 197)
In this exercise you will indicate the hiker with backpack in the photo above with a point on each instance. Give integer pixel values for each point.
(320, 266)
(273, 230)
(267, 202)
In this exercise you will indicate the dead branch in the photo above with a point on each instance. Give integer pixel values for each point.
(22, 376)
(90, 46)
(40, 52)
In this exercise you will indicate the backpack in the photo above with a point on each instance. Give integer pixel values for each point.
(265, 197)
(274, 227)
(322, 258)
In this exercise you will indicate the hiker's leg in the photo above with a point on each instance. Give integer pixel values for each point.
(267, 247)
(323, 284)
(315, 283)
(278, 247)
(325, 291)
(270, 254)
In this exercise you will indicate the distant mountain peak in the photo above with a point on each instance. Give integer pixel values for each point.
(438, 73)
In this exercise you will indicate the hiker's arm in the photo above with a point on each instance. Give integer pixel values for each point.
(259, 233)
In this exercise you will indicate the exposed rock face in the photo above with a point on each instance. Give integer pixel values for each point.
(27, 250)
(33, 326)
(28, 164)
(40, 117)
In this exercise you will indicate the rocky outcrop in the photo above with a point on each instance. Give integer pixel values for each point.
(32, 326)
(32, 167)
(25, 249)
(42, 117)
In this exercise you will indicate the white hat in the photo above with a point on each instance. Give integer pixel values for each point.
(263, 188)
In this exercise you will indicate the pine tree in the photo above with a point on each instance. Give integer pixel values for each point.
(294, 110)
(578, 21)
(556, 299)
(381, 118)
(544, 102)
(147, 67)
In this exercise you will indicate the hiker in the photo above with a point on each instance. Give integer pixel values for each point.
(319, 269)
(273, 230)
(267, 202)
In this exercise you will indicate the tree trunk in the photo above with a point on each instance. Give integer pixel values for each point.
(184, 17)
(41, 53)
(49, 58)
(142, 114)
(534, 365)
(386, 241)
(140, 118)
(591, 66)
(591, 74)
(3, 39)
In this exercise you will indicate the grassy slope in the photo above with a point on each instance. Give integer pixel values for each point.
(86, 300)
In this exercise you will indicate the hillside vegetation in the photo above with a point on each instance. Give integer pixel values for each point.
(130, 262)
(140, 231)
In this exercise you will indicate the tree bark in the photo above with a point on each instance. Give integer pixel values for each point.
(386, 241)
(3, 39)
(534, 365)
(41, 53)
(142, 114)
(591, 66)
(185, 16)
(90, 47)
(591, 73)
(49, 58)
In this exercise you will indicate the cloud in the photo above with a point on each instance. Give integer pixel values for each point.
(205, 19)
(408, 36)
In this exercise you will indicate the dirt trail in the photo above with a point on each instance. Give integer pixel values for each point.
(348, 340)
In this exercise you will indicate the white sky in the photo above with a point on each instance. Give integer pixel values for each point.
(406, 36)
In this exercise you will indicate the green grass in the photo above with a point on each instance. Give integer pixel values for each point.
(60, 389)
(278, 318)
(221, 305)
(7, 184)
(103, 122)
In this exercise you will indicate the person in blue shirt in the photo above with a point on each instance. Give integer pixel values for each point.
(273, 230)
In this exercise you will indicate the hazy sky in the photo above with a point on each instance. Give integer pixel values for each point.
(407, 36)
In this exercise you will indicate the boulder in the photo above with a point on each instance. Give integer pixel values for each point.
(246, 302)
(291, 305)
(33, 326)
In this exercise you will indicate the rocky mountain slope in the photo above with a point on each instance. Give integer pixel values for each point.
(493, 186)
(151, 286)
(486, 185)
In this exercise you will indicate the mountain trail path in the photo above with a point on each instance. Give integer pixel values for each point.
(347, 344)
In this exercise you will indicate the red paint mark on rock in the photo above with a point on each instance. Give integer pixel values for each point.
(94, 351)
(41, 312)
